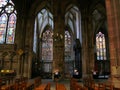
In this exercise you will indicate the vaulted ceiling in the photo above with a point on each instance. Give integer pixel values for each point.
(29, 3)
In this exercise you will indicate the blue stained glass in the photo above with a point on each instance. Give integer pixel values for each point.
(101, 57)
(98, 58)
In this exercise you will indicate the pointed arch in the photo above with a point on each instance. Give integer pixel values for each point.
(73, 23)
(102, 62)
(73, 20)
(43, 41)
(43, 19)
(100, 40)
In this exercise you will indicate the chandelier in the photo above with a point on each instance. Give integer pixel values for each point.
(57, 37)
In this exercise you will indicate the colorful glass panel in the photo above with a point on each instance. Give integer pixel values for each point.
(47, 45)
(9, 8)
(3, 3)
(3, 23)
(100, 46)
(7, 22)
(68, 45)
(11, 29)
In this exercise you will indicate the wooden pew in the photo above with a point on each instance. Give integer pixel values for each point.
(77, 86)
(116, 88)
(74, 85)
(37, 82)
(5, 87)
(48, 86)
(43, 87)
(15, 86)
(60, 86)
(19, 84)
(30, 86)
(101, 86)
(109, 87)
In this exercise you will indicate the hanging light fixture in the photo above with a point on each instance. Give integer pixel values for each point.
(57, 37)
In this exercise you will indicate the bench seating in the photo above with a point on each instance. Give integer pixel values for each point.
(60, 86)
(74, 85)
(22, 84)
(43, 87)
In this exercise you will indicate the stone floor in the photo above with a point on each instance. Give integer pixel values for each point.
(52, 82)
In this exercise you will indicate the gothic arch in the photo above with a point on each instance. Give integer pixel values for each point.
(70, 15)
(38, 6)
(98, 10)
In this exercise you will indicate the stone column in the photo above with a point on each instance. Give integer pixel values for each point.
(87, 44)
(113, 18)
(28, 47)
(58, 40)
(29, 65)
(18, 66)
(25, 65)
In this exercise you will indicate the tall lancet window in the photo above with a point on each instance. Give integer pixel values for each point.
(69, 53)
(43, 42)
(102, 62)
(68, 45)
(100, 46)
(73, 22)
(7, 22)
(47, 46)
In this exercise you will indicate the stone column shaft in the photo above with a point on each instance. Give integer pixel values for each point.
(113, 18)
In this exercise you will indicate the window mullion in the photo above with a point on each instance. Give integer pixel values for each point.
(6, 29)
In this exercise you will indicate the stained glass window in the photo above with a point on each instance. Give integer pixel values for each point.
(100, 46)
(3, 24)
(7, 22)
(68, 45)
(43, 40)
(69, 53)
(47, 45)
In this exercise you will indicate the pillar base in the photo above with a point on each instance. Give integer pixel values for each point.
(116, 82)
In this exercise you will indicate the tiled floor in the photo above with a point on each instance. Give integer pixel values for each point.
(52, 82)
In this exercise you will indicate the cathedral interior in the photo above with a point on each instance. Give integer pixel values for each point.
(70, 38)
